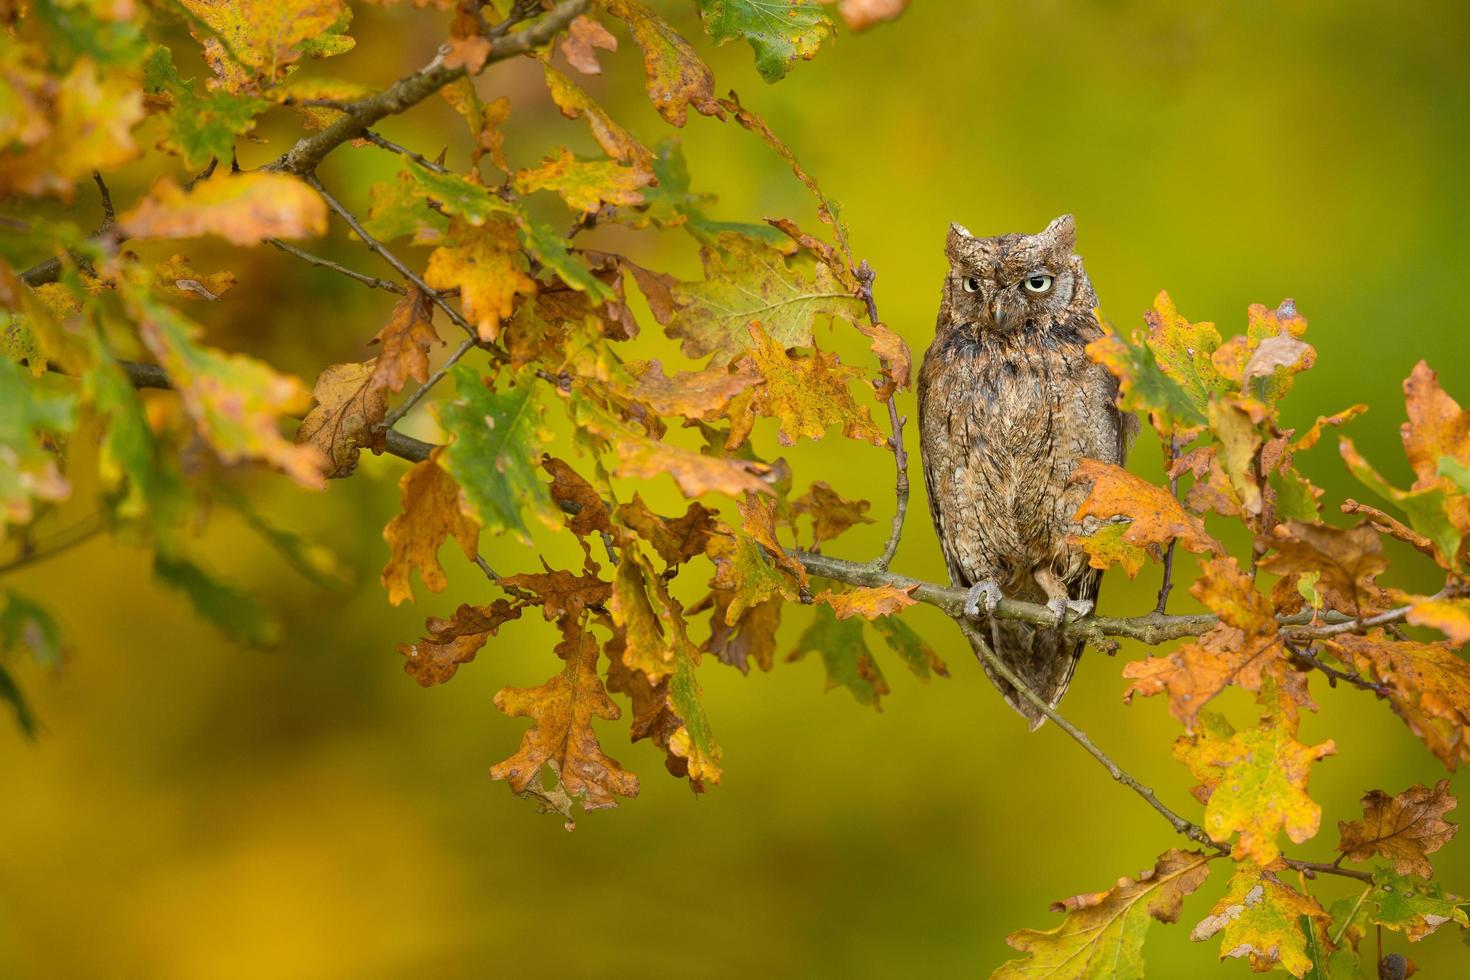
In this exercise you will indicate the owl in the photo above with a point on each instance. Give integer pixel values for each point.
(1009, 402)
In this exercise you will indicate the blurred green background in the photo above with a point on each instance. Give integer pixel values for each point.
(199, 810)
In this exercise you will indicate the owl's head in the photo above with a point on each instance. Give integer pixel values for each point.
(1016, 283)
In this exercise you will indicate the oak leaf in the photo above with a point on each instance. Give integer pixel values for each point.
(28, 468)
(830, 513)
(777, 39)
(561, 736)
(257, 40)
(585, 509)
(1257, 781)
(244, 209)
(676, 540)
(1403, 904)
(586, 185)
(486, 265)
(807, 395)
(615, 141)
(175, 277)
(758, 513)
(1428, 686)
(1262, 918)
(869, 603)
(1450, 616)
(406, 339)
(845, 655)
(561, 594)
(431, 514)
(917, 655)
(1103, 932)
(689, 394)
(1348, 560)
(742, 570)
(1406, 828)
(677, 78)
(453, 642)
(348, 408)
(751, 636)
(584, 36)
(1155, 515)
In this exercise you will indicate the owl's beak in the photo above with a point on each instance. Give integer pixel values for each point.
(1000, 316)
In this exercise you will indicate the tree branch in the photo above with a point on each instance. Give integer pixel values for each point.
(465, 346)
(865, 276)
(403, 151)
(372, 282)
(307, 154)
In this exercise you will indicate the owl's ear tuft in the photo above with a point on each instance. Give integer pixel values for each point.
(959, 235)
(1062, 234)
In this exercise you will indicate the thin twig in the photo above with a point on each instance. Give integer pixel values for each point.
(50, 270)
(308, 152)
(372, 282)
(465, 346)
(865, 276)
(1313, 868)
(1334, 674)
(63, 540)
(204, 174)
(393, 147)
(982, 649)
(109, 217)
(1168, 580)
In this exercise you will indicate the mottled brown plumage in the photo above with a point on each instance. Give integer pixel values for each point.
(1008, 403)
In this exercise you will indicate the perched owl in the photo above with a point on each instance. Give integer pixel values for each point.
(1008, 403)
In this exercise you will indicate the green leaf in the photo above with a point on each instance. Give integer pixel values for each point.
(31, 413)
(779, 31)
(24, 624)
(497, 441)
(1456, 471)
(846, 656)
(10, 693)
(198, 127)
(73, 31)
(1294, 496)
(1427, 509)
(1407, 904)
(745, 280)
(238, 615)
(315, 563)
(916, 655)
(144, 481)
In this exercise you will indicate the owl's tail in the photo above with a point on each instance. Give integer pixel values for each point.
(1042, 657)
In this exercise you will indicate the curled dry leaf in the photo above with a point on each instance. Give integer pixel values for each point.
(244, 209)
(349, 407)
(1103, 933)
(751, 637)
(586, 511)
(676, 540)
(561, 594)
(431, 514)
(453, 642)
(1406, 828)
(584, 36)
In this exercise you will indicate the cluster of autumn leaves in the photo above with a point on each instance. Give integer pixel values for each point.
(543, 318)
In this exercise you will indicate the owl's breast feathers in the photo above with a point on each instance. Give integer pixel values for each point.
(1003, 420)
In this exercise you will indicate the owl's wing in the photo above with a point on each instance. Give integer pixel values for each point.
(956, 576)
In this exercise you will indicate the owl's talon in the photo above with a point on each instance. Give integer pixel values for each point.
(985, 594)
(1061, 606)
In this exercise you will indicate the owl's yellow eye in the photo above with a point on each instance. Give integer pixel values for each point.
(1038, 284)
(970, 284)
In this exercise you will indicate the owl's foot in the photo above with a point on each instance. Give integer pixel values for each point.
(1061, 606)
(986, 595)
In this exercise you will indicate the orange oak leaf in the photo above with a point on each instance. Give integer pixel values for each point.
(431, 514)
(348, 408)
(177, 278)
(406, 339)
(561, 736)
(759, 521)
(453, 642)
(1197, 672)
(244, 209)
(1406, 828)
(265, 37)
(1428, 686)
(1348, 561)
(487, 266)
(859, 15)
(1155, 516)
(615, 141)
(1450, 616)
(584, 36)
(691, 394)
(561, 594)
(1436, 427)
(830, 514)
(870, 603)
(469, 53)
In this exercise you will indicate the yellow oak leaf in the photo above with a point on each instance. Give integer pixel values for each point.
(486, 265)
(244, 209)
(807, 395)
(431, 514)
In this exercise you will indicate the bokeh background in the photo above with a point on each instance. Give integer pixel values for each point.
(195, 809)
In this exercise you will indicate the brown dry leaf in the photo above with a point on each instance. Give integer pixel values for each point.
(455, 641)
(1348, 560)
(348, 408)
(470, 53)
(406, 339)
(759, 521)
(560, 594)
(244, 209)
(487, 266)
(1390, 526)
(1156, 515)
(583, 38)
(1450, 616)
(884, 600)
(431, 513)
(677, 78)
(1429, 687)
(691, 394)
(1406, 828)
(830, 514)
(562, 736)
(676, 540)
(806, 394)
(585, 509)
(752, 636)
